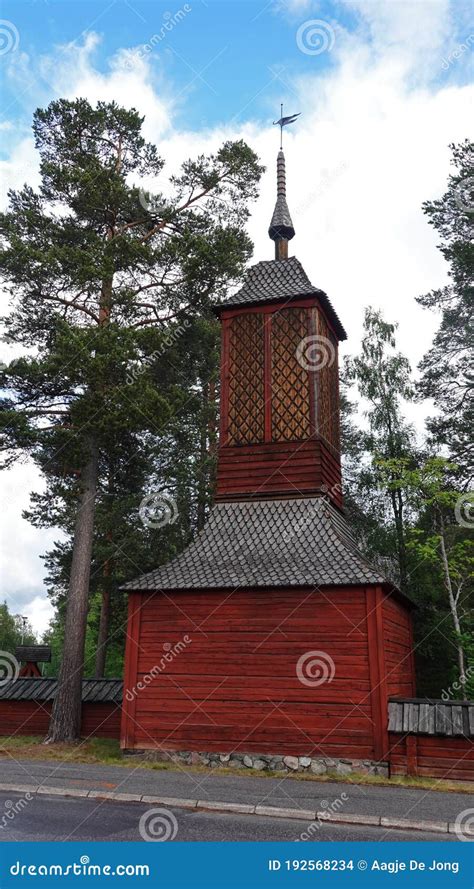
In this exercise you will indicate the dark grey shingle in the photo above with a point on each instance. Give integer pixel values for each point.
(297, 542)
(97, 690)
(277, 280)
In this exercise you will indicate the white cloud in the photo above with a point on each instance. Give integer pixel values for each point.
(369, 148)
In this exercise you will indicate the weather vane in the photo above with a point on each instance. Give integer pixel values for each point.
(284, 121)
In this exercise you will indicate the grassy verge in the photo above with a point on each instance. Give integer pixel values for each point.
(104, 751)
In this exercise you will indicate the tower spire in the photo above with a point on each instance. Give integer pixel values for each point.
(281, 226)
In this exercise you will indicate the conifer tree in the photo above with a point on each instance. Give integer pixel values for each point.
(97, 270)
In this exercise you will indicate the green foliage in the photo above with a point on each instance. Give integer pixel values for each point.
(382, 377)
(111, 292)
(13, 630)
(447, 375)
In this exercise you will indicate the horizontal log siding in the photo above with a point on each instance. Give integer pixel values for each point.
(283, 468)
(32, 718)
(234, 687)
(397, 631)
(432, 756)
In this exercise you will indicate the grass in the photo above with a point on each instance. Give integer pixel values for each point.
(105, 751)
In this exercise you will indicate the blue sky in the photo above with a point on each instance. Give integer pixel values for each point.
(223, 60)
(383, 87)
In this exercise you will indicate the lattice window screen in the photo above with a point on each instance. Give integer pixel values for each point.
(246, 416)
(291, 417)
(334, 397)
(328, 385)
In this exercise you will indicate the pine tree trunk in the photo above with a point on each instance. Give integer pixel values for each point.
(65, 725)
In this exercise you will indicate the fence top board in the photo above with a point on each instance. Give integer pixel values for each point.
(41, 689)
(424, 716)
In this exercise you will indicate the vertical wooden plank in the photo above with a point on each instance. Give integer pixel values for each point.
(374, 672)
(127, 731)
(412, 655)
(267, 371)
(224, 418)
(412, 755)
(382, 687)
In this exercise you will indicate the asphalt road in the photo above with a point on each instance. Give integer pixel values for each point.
(61, 819)
(287, 792)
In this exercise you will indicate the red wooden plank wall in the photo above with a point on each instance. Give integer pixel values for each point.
(32, 718)
(234, 687)
(432, 756)
(397, 631)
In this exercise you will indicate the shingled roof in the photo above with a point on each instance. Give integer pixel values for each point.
(304, 542)
(96, 690)
(278, 280)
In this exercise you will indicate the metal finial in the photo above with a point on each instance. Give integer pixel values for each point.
(283, 122)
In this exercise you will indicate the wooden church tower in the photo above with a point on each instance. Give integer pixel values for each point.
(282, 639)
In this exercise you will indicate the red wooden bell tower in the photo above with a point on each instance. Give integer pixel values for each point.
(275, 577)
(279, 432)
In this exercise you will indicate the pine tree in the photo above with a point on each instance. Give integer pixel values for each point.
(447, 375)
(97, 271)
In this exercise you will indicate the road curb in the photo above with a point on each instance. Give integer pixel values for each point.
(236, 808)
